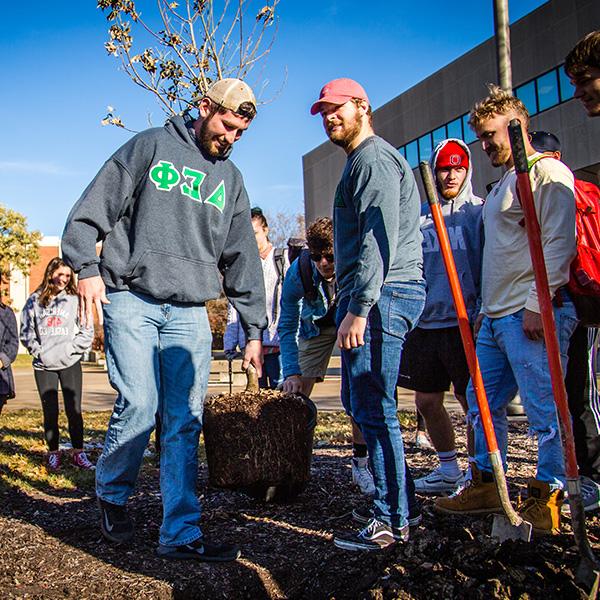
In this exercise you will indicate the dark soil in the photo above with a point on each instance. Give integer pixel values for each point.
(50, 545)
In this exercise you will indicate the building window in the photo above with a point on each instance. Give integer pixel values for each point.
(547, 88)
(526, 93)
(425, 147)
(455, 129)
(412, 154)
(566, 87)
(469, 135)
(439, 135)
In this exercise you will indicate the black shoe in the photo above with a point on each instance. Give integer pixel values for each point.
(115, 522)
(375, 536)
(363, 514)
(200, 550)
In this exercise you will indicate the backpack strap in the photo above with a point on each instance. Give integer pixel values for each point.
(306, 276)
(279, 258)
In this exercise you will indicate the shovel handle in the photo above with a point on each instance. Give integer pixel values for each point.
(252, 379)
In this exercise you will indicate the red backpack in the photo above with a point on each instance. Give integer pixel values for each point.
(584, 280)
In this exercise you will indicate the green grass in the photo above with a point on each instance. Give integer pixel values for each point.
(22, 449)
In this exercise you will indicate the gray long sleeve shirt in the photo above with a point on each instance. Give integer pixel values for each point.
(377, 238)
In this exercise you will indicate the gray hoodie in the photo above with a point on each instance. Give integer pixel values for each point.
(462, 216)
(51, 333)
(171, 220)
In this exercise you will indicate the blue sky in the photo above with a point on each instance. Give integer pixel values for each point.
(58, 81)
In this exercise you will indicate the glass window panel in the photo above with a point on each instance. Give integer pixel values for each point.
(439, 135)
(469, 135)
(547, 87)
(566, 88)
(412, 154)
(455, 129)
(425, 147)
(526, 93)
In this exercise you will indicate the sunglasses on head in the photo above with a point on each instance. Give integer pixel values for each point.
(317, 257)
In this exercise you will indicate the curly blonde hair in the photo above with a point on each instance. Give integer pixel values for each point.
(498, 102)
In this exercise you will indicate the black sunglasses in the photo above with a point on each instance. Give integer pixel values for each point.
(318, 257)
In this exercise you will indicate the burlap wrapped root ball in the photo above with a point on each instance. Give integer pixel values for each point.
(260, 443)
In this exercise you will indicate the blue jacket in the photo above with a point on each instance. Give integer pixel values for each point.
(298, 315)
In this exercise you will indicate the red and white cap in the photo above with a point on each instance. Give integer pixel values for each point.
(452, 154)
(339, 91)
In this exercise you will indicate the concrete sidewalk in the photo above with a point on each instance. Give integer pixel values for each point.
(99, 395)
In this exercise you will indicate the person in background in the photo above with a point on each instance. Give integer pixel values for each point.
(580, 378)
(51, 332)
(433, 356)
(307, 331)
(9, 346)
(274, 263)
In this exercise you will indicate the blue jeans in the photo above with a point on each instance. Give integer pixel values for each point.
(271, 376)
(158, 358)
(511, 362)
(369, 375)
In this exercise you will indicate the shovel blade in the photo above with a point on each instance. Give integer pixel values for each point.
(503, 529)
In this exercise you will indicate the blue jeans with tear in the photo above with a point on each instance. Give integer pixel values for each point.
(369, 376)
(511, 362)
(158, 358)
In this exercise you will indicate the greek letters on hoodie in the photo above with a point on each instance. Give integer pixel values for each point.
(171, 221)
(463, 219)
(51, 333)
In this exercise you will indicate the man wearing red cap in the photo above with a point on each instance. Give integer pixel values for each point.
(433, 356)
(378, 263)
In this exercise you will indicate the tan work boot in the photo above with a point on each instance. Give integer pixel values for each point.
(479, 496)
(542, 507)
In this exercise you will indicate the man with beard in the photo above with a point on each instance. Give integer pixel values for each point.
(434, 357)
(510, 343)
(172, 213)
(378, 264)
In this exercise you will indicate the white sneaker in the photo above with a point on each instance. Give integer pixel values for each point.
(422, 441)
(436, 482)
(361, 476)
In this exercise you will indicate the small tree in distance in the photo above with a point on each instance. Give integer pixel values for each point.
(198, 42)
(283, 226)
(18, 245)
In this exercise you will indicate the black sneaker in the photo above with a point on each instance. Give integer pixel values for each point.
(200, 549)
(363, 514)
(115, 522)
(375, 536)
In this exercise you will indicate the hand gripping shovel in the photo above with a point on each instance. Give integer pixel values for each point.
(511, 526)
(589, 568)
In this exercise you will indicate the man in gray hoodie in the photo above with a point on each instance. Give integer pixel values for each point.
(172, 214)
(433, 356)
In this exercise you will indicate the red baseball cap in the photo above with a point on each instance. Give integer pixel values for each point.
(452, 154)
(339, 91)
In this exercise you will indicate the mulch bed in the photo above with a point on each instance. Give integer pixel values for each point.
(50, 545)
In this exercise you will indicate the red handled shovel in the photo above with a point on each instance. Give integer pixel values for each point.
(511, 526)
(589, 568)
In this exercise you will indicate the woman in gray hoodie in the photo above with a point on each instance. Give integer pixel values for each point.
(51, 333)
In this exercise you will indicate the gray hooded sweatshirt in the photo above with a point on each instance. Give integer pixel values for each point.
(51, 333)
(172, 220)
(462, 216)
